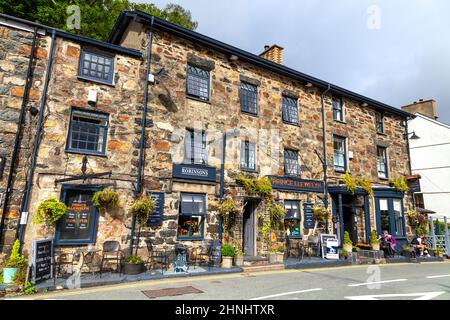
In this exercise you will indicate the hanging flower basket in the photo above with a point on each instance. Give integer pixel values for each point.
(142, 208)
(106, 199)
(50, 211)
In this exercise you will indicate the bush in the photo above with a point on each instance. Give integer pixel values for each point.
(30, 288)
(142, 208)
(366, 185)
(261, 187)
(374, 237)
(106, 199)
(350, 183)
(347, 239)
(227, 250)
(228, 210)
(50, 211)
(134, 259)
(400, 184)
(15, 260)
(276, 213)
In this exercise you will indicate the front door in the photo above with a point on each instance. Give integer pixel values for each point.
(350, 218)
(249, 228)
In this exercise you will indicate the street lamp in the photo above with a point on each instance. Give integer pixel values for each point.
(414, 136)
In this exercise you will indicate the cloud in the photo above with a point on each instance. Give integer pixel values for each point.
(403, 61)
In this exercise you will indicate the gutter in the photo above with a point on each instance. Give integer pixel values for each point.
(139, 180)
(324, 140)
(177, 30)
(26, 197)
(18, 133)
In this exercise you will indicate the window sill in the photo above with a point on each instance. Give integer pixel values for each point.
(382, 134)
(190, 238)
(383, 178)
(248, 113)
(292, 123)
(339, 121)
(340, 171)
(198, 99)
(249, 170)
(96, 81)
(87, 153)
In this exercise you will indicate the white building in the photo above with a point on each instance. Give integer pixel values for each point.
(430, 157)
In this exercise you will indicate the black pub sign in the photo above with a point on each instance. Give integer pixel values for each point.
(296, 184)
(308, 213)
(42, 263)
(156, 218)
(194, 172)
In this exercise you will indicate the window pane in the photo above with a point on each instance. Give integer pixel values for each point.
(195, 147)
(292, 227)
(384, 215)
(249, 98)
(337, 110)
(198, 82)
(190, 226)
(291, 164)
(289, 110)
(248, 155)
(94, 66)
(382, 162)
(339, 154)
(88, 131)
(398, 217)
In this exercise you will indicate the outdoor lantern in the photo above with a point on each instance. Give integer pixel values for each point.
(2, 166)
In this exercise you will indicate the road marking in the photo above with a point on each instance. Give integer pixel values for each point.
(286, 294)
(441, 276)
(420, 296)
(375, 282)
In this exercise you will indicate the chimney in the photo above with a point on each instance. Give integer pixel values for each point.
(427, 108)
(273, 53)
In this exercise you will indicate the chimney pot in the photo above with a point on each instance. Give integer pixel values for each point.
(266, 47)
(273, 53)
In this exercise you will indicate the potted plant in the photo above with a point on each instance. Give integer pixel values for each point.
(238, 255)
(133, 265)
(348, 244)
(49, 211)
(280, 253)
(14, 264)
(406, 251)
(106, 199)
(272, 254)
(343, 253)
(374, 241)
(227, 256)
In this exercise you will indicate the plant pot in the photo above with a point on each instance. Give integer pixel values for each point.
(280, 257)
(376, 246)
(239, 260)
(348, 248)
(227, 262)
(9, 274)
(133, 268)
(272, 257)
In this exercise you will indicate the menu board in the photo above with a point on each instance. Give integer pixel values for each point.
(323, 242)
(42, 263)
(309, 221)
(77, 216)
(156, 217)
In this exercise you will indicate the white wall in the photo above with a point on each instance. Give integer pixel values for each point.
(430, 157)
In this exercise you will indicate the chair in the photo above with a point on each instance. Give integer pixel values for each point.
(302, 247)
(111, 253)
(157, 258)
(314, 244)
(62, 259)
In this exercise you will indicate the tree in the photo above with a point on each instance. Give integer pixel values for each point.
(97, 17)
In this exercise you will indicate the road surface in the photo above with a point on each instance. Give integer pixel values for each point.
(423, 281)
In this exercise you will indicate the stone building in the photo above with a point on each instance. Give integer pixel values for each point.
(215, 114)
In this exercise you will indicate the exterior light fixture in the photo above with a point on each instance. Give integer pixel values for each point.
(413, 134)
(234, 58)
(2, 166)
(364, 104)
(308, 84)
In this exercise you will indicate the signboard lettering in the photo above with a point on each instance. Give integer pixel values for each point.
(323, 242)
(156, 217)
(332, 249)
(194, 172)
(77, 217)
(296, 184)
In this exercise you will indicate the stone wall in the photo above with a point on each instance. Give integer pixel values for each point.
(15, 50)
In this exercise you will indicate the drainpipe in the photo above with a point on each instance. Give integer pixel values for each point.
(409, 161)
(139, 180)
(26, 198)
(18, 133)
(324, 140)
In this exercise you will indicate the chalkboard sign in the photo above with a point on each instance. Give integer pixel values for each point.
(323, 242)
(156, 217)
(216, 250)
(309, 221)
(42, 263)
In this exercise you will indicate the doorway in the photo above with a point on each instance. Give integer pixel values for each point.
(249, 228)
(350, 217)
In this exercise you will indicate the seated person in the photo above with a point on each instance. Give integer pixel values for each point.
(388, 243)
(419, 243)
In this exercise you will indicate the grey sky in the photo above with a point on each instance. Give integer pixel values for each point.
(408, 58)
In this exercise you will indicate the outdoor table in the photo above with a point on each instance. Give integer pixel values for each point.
(84, 252)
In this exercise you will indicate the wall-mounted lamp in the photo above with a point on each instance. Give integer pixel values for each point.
(364, 104)
(234, 57)
(2, 166)
(413, 134)
(308, 84)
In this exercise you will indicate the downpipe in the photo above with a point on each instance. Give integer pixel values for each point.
(325, 162)
(18, 134)
(26, 198)
(139, 180)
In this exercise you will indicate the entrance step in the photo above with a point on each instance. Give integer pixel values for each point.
(255, 261)
(266, 267)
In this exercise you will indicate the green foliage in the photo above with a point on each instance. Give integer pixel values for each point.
(265, 228)
(107, 199)
(350, 182)
(276, 213)
(228, 211)
(227, 250)
(142, 208)
(321, 214)
(400, 184)
(355, 249)
(49, 211)
(261, 186)
(374, 237)
(418, 221)
(30, 288)
(15, 260)
(134, 259)
(347, 239)
(1, 277)
(281, 248)
(343, 253)
(97, 17)
(366, 185)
